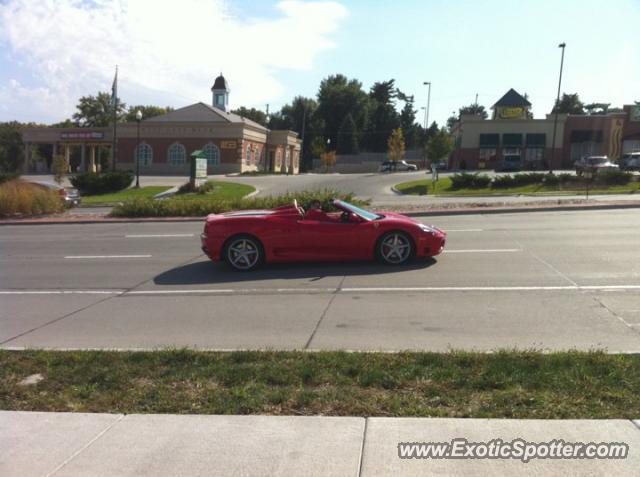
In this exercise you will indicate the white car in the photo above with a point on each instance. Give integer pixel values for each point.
(390, 166)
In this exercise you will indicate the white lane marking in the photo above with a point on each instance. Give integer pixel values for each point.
(158, 235)
(462, 230)
(106, 256)
(494, 250)
(62, 292)
(324, 290)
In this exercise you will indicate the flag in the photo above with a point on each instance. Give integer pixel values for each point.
(114, 90)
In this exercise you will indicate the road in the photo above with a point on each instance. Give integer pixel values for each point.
(554, 280)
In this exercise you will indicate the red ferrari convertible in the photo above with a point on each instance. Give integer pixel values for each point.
(246, 239)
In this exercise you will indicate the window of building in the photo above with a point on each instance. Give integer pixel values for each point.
(177, 154)
(258, 156)
(631, 146)
(534, 157)
(144, 154)
(512, 140)
(248, 157)
(536, 140)
(213, 154)
(487, 153)
(490, 140)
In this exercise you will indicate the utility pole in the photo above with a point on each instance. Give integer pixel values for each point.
(555, 118)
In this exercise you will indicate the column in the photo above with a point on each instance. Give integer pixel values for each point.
(27, 158)
(92, 159)
(83, 151)
(67, 156)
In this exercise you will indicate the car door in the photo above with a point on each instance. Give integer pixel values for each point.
(334, 240)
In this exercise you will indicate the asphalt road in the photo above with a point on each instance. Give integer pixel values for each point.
(547, 281)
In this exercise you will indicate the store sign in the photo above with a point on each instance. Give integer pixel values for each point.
(509, 113)
(82, 135)
(201, 168)
(228, 145)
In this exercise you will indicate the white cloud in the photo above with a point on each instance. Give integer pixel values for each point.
(168, 52)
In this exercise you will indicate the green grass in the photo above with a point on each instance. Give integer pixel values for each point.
(220, 190)
(124, 195)
(443, 187)
(505, 384)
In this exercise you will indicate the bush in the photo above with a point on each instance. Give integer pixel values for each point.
(613, 178)
(202, 207)
(464, 180)
(8, 176)
(518, 180)
(91, 183)
(22, 198)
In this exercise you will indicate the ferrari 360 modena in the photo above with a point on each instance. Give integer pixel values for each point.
(246, 239)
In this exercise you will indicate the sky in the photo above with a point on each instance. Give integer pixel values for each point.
(168, 53)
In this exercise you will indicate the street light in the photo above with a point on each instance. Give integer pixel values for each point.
(426, 116)
(138, 119)
(555, 118)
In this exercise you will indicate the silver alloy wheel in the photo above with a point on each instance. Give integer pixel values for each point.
(395, 248)
(243, 254)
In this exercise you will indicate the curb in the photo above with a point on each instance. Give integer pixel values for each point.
(412, 213)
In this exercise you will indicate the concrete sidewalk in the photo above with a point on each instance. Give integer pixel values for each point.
(74, 444)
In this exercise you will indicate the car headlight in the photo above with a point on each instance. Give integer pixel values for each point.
(427, 228)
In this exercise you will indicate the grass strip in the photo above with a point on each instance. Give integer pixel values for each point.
(443, 187)
(219, 190)
(505, 384)
(124, 195)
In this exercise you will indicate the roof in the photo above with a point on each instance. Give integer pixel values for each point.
(512, 99)
(220, 83)
(202, 113)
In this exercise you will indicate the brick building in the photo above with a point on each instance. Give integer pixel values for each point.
(513, 132)
(232, 143)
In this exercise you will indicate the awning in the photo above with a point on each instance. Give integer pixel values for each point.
(489, 140)
(512, 140)
(536, 140)
(586, 136)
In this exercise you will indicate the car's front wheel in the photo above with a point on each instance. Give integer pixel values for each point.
(395, 248)
(243, 253)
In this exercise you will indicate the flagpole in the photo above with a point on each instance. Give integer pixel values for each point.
(114, 93)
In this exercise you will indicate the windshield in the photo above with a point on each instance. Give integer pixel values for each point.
(599, 160)
(365, 214)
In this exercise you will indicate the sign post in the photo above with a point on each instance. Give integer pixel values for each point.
(198, 175)
(588, 175)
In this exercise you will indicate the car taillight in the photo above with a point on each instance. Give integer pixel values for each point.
(63, 193)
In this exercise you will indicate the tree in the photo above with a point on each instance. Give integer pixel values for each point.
(408, 124)
(348, 137)
(11, 147)
(475, 109)
(383, 118)
(97, 111)
(60, 168)
(439, 146)
(318, 147)
(253, 114)
(147, 112)
(328, 159)
(337, 97)
(569, 104)
(451, 122)
(395, 146)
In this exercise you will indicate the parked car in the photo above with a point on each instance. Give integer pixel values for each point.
(70, 195)
(246, 239)
(630, 162)
(594, 164)
(390, 166)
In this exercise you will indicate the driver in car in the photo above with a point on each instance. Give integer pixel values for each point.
(315, 212)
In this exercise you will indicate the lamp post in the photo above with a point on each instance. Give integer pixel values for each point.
(555, 118)
(426, 116)
(138, 119)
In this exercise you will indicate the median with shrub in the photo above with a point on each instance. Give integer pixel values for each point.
(19, 198)
(525, 183)
(93, 183)
(176, 207)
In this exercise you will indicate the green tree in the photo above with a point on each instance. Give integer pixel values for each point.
(348, 137)
(147, 111)
(439, 146)
(395, 146)
(412, 131)
(569, 104)
(337, 97)
(97, 111)
(253, 114)
(475, 109)
(11, 147)
(60, 168)
(383, 118)
(318, 147)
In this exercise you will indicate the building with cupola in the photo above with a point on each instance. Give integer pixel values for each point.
(232, 143)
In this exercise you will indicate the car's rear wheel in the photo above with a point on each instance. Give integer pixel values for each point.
(243, 253)
(395, 248)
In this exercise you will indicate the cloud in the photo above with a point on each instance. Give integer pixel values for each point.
(168, 52)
